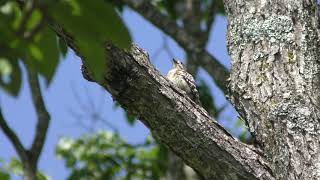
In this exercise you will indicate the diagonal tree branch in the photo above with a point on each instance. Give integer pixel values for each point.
(217, 71)
(185, 127)
(181, 124)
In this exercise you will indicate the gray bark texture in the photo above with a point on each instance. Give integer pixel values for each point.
(274, 84)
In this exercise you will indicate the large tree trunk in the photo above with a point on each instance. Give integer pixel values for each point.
(274, 46)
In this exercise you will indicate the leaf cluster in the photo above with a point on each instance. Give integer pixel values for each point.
(106, 155)
(15, 167)
(26, 35)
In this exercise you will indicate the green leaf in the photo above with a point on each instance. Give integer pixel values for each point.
(4, 175)
(50, 50)
(36, 53)
(42, 176)
(44, 53)
(243, 136)
(2, 2)
(130, 118)
(7, 34)
(120, 6)
(62, 47)
(104, 23)
(96, 62)
(162, 157)
(5, 67)
(16, 15)
(239, 122)
(12, 83)
(15, 166)
(34, 19)
(105, 155)
(169, 6)
(116, 105)
(219, 4)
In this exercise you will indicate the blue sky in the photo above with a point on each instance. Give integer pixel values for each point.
(60, 96)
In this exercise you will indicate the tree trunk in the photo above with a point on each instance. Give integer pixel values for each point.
(29, 173)
(275, 80)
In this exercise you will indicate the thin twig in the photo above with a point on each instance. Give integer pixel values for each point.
(165, 47)
(42, 114)
(93, 112)
(14, 139)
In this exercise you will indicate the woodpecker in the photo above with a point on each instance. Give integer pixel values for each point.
(179, 76)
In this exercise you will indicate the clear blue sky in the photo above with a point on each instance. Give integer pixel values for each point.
(60, 98)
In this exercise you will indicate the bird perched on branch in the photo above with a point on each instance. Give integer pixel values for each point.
(179, 76)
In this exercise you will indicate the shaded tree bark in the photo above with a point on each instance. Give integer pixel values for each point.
(275, 80)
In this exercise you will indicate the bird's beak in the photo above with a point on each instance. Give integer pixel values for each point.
(174, 61)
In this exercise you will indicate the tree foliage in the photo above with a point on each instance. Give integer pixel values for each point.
(26, 35)
(15, 167)
(105, 155)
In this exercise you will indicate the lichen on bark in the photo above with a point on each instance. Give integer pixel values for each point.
(275, 81)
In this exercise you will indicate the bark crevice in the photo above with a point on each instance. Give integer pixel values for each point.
(275, 81)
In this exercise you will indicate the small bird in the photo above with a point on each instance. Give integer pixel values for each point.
(179, 76)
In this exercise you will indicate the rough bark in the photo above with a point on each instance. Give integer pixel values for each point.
(182, 125)
(275, 80)
(191, 18)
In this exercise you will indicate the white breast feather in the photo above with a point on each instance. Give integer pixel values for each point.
(178, 80)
